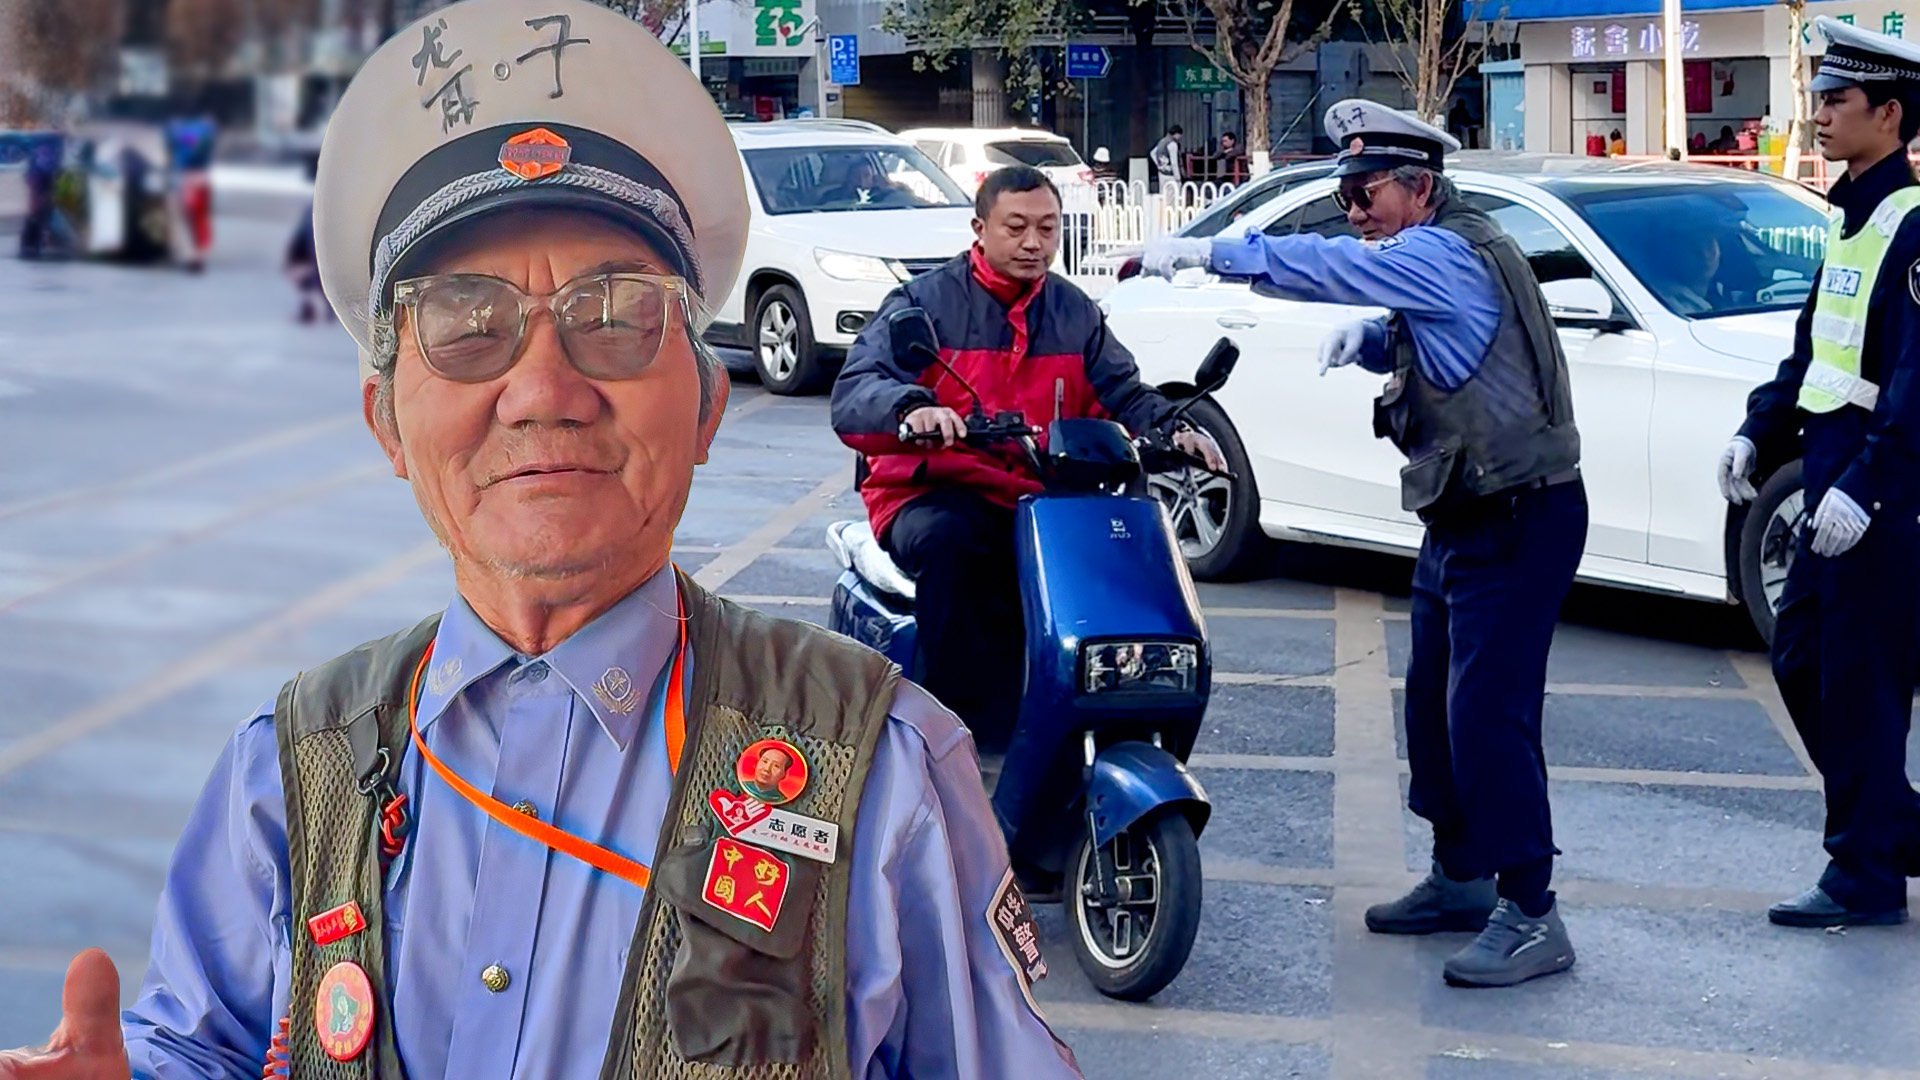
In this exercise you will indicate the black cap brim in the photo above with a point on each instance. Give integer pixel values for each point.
(421, 253)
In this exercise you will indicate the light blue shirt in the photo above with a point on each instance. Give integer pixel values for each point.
(1431, 276)
(929, 992)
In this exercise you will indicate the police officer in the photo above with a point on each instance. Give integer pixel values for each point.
(515, 840)
(1478, 401)
(1845, 404)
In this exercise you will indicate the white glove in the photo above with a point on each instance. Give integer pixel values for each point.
(1342, 345)
(1736, 471)
(1170, 253)
(1838, 524)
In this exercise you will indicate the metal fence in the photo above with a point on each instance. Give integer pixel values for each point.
(1110, 221)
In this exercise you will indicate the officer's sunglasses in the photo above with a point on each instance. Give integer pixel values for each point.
(1360, 196)
(473, 327)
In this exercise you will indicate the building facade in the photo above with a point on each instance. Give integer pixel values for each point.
(1589, 69)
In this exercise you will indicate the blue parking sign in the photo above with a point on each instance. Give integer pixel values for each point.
(843, 59)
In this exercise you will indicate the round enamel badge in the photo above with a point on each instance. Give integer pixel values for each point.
(772, 771)
(343, 1011)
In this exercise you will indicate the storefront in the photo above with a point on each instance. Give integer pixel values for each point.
(760, 58)
(1596, 67)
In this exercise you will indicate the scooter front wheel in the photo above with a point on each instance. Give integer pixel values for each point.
(1134, 905)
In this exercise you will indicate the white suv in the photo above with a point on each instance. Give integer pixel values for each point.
(970, 154)
(842, 212)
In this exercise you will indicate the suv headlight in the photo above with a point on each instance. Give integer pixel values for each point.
(850, 267)
(1139, 666)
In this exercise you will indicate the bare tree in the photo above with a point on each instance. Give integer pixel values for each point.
(58, 51)
(1430, 50)
(1252, 38)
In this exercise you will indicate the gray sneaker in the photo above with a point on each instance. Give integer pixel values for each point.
(1437, 905)
(1513, 949)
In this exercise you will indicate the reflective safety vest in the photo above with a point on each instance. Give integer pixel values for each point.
(1840, 312)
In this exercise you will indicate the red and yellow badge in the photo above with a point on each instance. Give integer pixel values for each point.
(343, 1011)
(535, 155)
(772, 771)
(343, 921)
(746, 883)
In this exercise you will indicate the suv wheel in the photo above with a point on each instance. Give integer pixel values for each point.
(783, 349)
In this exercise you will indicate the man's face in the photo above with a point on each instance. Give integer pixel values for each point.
(1021, 233)
(542, 472)
(1848, 128)
(771, 768)
(1380, 206)
(1227, 143)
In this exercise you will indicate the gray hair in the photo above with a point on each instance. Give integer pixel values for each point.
(383, 343)
(1408, 176)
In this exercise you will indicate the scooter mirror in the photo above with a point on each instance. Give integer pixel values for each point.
(912, 330)
(1217, 366)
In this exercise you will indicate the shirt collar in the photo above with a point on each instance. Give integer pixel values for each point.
(613, 663)
(1859, 197)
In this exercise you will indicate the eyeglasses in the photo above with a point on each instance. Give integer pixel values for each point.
(1361, 197)
(473, 327)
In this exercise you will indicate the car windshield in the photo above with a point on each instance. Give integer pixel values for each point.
(1709, 248)
(1243, 201)
(1039, 153)
(817, 179)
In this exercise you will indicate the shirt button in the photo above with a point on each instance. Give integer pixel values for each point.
(528, 809)
(536, 671)
(495, 978)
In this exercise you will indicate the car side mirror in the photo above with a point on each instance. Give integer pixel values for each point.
(1217, 366)
(911, 329)
(1581, 302)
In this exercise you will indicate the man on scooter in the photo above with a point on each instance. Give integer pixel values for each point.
(1022, 339)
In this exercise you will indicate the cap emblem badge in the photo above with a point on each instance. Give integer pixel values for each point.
(535, 155)
(1356, 145)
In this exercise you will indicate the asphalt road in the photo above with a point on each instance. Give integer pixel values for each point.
(190, 511)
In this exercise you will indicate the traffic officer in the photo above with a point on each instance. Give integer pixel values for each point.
(1845, 405)
(515, 840)
(1478, 401)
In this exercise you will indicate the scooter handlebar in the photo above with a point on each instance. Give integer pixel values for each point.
(981, 431)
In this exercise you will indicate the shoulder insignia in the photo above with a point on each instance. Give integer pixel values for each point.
(1389, 243)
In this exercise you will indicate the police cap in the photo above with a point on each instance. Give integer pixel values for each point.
(1374, 138)
(492, 106)
(1856, 56)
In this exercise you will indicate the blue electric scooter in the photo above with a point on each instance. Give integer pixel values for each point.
(1093, 793)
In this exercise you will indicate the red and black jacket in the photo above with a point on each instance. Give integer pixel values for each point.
(1013, 346)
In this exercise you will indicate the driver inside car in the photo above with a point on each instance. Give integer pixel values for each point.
(1024, 340)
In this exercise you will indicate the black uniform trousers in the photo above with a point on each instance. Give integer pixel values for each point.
(1844, 649)
(1487, 591)
(971, 653)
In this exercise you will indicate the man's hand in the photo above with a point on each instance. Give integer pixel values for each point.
(1200, 445)
(1170, 253)
(934, 419)
(1736, 471)
(1838, 524)
(88, 1044)
(1342, 345)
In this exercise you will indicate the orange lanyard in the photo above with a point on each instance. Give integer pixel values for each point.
(532, 827)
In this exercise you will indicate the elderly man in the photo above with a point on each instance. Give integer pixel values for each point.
(1478, 400)
(511, 841)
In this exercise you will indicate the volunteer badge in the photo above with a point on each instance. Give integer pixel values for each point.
(343, 921)
(746, 883)
(343, 1011)
(535, 155)
(772, 771)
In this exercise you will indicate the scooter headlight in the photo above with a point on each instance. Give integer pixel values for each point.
(1139, 667)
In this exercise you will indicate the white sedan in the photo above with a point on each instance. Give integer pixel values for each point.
(1675, 289)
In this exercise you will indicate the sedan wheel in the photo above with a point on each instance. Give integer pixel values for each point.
(779, 341)
(1768, 544)
(1199, 505)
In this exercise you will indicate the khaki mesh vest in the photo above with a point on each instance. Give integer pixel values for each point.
(706, 996)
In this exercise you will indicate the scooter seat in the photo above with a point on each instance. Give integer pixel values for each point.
(853, 544)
